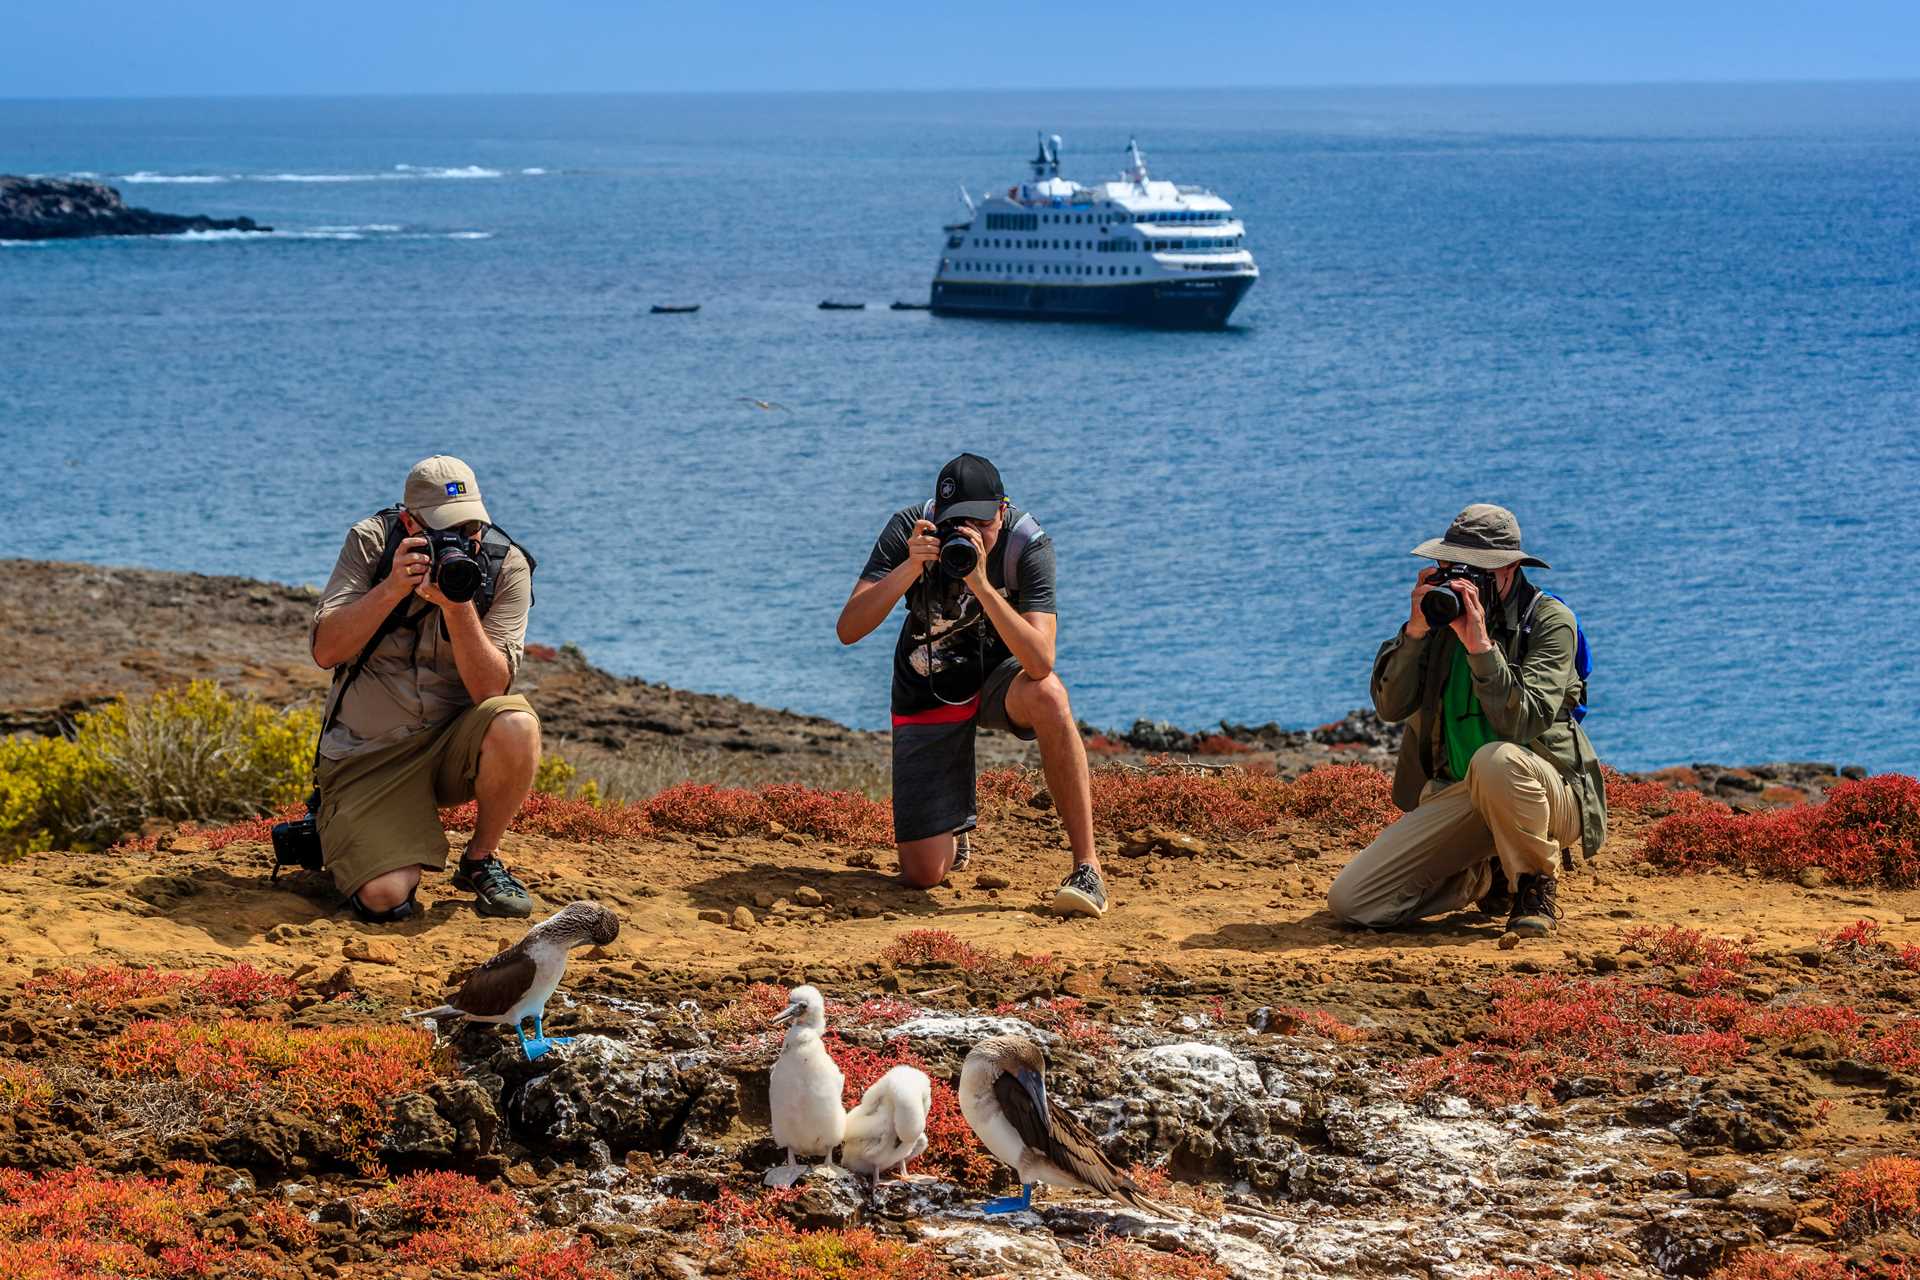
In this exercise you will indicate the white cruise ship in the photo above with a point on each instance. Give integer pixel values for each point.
(1134, 250)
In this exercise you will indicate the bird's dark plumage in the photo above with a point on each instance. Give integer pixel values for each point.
(493, 988)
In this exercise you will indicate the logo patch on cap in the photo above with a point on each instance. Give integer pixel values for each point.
(946, 488)
(456, 487)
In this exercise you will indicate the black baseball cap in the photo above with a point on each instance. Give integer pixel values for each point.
(969, 488)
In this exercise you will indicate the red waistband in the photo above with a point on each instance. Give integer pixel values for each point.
(943, 715)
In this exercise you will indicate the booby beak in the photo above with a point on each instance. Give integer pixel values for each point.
(787, 1014)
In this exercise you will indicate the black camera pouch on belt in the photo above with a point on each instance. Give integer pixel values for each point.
(297, 843)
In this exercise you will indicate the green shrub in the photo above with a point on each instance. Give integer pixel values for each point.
(189, 753)
(555, 777)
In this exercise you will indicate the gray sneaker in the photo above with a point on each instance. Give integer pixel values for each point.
(496, 892)
(1083, 893)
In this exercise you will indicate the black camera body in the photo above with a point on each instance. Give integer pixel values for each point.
(297, 844)
(452, 566)
(958, 554)
(1442, 605)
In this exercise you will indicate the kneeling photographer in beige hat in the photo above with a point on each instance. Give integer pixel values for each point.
(1496, 777)
(423, 623)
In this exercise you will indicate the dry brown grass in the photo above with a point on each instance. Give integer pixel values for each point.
(644, 770)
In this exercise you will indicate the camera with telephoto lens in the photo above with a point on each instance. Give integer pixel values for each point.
(958, 554)
(1443, 604)
(297, 843)
(452, 566)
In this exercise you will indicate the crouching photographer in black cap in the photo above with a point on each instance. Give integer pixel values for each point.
(976, 651)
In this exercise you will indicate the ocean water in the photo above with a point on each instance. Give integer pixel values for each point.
(1676, 329)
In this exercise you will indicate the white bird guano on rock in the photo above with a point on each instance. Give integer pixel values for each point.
(1003, 1095)
(805, 1090)
(889, 1127)
(516, 984)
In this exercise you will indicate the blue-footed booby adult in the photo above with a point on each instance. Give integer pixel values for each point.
(889, 1127)
(1003, 1095)
(516, 984)
(804, 1090)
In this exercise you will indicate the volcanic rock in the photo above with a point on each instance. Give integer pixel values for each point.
(69, 209)
(625, 1097)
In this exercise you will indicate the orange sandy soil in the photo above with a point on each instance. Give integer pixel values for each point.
(1246, 921)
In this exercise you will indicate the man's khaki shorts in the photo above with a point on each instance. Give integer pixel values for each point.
(380, 811)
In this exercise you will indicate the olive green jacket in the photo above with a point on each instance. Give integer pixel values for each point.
(1531, 703)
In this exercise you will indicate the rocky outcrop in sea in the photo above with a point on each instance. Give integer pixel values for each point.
(69, 209)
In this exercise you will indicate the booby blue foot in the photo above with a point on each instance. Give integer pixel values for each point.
(537, 1044)
(1011, 1204)
(542, 1039)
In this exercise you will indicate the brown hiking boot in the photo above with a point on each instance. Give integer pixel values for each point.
(1536, 906)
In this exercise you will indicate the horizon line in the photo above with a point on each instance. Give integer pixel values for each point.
(1052, 90)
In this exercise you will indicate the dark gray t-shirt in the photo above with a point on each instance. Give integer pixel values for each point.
(965, 647)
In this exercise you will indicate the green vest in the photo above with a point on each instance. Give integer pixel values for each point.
(1463, 722)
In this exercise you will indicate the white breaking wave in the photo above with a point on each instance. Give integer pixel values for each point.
(381, 231)
(399, 173)
(427, 171)
(207, 236)
(534, 172)
(144, 176)
(371, 226)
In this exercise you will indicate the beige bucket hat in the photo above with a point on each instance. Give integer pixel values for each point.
(442, 492)
(1484, 536)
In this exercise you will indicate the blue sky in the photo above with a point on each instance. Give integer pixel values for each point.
(137, 48)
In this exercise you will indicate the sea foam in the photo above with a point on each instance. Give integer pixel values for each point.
(399, 173)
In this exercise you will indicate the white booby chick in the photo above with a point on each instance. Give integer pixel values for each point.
(804, 1092)
(889, 1127)
(1003, 1095)
(516, 984)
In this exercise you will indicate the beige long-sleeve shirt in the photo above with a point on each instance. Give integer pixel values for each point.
(410, 683)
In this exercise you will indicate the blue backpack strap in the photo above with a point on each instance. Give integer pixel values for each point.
(1582, 656)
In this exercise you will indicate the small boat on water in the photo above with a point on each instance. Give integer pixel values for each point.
(911, 306)
(831, 305)
(664, 309)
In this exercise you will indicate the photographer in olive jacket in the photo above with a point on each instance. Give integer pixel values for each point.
(1496, 777)
(423, 622)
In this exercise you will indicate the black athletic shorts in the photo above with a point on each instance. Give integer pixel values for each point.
(933, 767)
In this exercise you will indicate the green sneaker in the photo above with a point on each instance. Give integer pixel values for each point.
(496, 892)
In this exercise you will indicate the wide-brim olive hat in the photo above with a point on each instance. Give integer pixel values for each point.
(1484, 536)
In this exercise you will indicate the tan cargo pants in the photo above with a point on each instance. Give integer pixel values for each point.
(380, 811)
(1434, 860)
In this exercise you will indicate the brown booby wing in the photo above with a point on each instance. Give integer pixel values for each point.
(1056, 1135)
(496, 986)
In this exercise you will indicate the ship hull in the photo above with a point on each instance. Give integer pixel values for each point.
(1165, 304)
